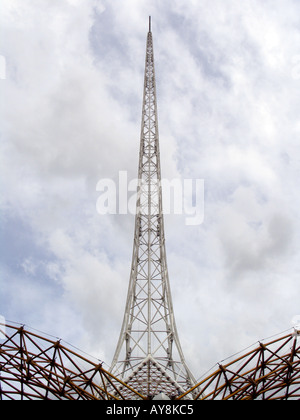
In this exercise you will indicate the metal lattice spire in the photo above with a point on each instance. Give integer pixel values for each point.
(148, 358)
(148, 355)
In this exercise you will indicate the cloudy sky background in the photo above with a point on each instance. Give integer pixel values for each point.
(228, 79)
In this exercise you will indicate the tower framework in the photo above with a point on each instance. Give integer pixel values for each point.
(148, 357)
(149, 353)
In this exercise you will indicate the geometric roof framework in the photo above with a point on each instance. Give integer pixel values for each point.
(270, 371)
(148, 355)
(34, 367)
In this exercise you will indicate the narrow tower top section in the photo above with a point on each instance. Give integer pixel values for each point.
(149, 23)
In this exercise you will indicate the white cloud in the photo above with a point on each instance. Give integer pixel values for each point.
(228, 113)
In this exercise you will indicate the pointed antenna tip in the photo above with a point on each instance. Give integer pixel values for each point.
(149, 23)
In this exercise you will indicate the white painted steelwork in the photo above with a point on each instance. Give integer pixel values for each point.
(149, 355)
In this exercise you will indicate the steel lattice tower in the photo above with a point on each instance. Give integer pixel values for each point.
(149, 355)
(148, 358)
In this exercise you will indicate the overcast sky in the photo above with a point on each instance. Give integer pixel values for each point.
(228, 79)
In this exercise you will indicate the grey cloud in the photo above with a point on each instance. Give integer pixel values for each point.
(227, 113)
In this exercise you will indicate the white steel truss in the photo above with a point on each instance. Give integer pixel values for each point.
(149, 355)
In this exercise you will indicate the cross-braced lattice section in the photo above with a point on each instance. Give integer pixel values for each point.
(151, 378)
(268, 372)
(149, 346)
(33, 367)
